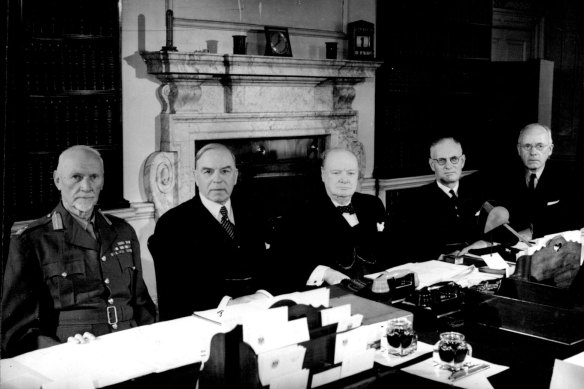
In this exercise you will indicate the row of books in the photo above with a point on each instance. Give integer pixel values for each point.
(57, 66)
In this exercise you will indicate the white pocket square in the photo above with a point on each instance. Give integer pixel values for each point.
(553, 202)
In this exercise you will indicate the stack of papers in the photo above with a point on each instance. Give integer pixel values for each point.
(235, 314)
(431, 272)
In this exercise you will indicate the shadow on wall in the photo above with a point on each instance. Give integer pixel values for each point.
(135, 60)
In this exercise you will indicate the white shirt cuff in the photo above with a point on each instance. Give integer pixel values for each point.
(317, 276)
(224, 301)
(265, 293)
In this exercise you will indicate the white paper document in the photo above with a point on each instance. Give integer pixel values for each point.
(569, 373)
(350, 343)
(294, 380)
(78, 382)
(276, 363)
(335, 314)
(383, 357)
(325, 377)
(431, 272)
(427, 369)
(262, 338)
(356, 363)
(350, 323)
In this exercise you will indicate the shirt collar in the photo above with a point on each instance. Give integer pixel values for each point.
(338, 204)
(82, 222)
(447, 190)
(538, 173)
(215, 208)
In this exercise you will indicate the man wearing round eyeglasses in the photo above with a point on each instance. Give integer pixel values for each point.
(444, 210)
(540, 197)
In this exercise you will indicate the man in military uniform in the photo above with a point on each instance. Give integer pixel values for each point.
(75, 273)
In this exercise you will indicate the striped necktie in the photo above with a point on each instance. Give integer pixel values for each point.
(226, 223)
(454, 200)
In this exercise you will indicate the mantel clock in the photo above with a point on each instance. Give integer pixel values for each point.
(360, 36)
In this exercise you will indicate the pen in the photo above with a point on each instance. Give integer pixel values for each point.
(466, 372)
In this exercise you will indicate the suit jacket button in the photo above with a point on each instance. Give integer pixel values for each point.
(106, 280)
(64, 274)
(103, 258)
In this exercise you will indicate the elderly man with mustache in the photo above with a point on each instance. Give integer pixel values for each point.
(75, 273)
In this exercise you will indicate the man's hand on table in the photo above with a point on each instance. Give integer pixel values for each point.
(248, 298)
(81, 339)
(558, 260)
(333, 277)
(479, 244)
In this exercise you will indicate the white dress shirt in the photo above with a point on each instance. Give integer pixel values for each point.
(447, 190)
(215, 209)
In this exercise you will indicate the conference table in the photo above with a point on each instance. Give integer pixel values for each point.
(168, 354)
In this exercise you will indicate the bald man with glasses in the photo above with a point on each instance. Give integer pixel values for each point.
(438, 218)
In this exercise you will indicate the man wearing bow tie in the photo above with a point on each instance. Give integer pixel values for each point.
(336, 234)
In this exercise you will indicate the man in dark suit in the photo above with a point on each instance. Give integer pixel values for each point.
(335, 234)
(541, 198)
(209, 250)
(440, 217)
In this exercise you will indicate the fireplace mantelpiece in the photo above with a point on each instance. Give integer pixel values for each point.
(210, 96)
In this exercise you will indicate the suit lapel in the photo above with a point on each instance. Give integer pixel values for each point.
(209, 220)
(363, 214)
(330, 212)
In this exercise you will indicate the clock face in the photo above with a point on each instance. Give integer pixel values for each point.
(363, 41)
(278, 42)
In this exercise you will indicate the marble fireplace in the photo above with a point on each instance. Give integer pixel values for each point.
(280, 109)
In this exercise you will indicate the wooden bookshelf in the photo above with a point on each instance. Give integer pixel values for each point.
(65, 89)
(436, 58)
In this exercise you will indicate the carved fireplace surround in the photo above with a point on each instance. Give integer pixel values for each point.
(215, 97)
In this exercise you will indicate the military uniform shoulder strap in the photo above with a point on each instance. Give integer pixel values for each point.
(57, 221)
(108, 221)
(21, 230)
(34, 224)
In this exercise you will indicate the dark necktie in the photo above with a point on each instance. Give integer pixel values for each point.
(92, 230)
(454, 200)
(532, 178)
(346, 208)
(226, 224)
